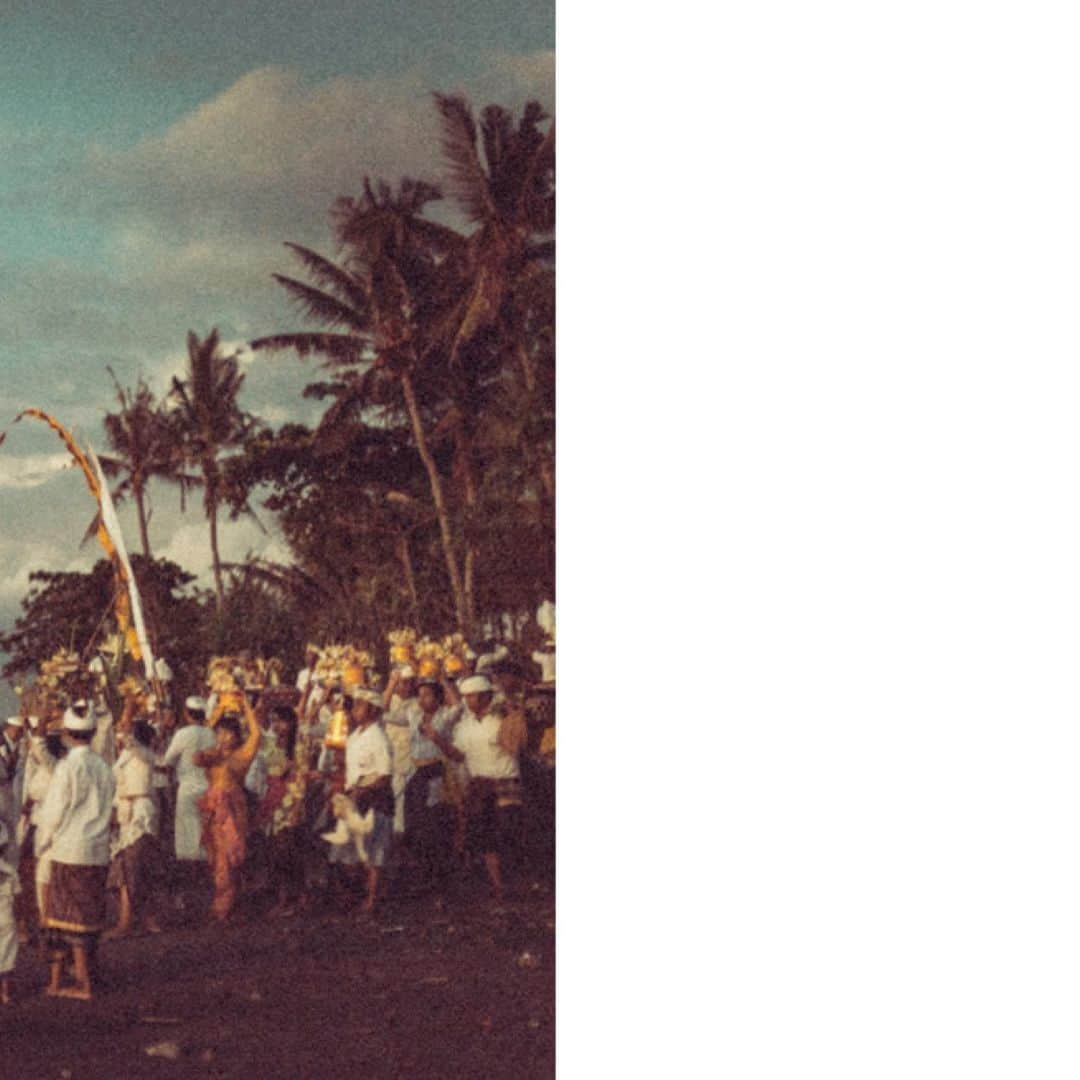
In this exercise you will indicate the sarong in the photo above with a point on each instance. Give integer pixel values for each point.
(224, 835)
(493, 815)
(76, 898)
(136, 868)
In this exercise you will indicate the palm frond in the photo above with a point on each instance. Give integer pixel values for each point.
(337, 348)
(320, 305)
(330, 276)
(469, 181)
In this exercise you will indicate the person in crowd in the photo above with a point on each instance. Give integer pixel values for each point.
(400, 717)
(56, 751)
(9, 937)
(304, 678)
(281, 811)
(11, 772)
(488, 742)
(74, 830)
(40, 763)
(256, 785)
(428, 816)
(338, 866)
(134, 869)
(369, 781)
(163, 723)
(224, 806)
(191, 783)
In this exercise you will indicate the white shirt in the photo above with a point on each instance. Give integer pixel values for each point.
(367, 753)
(77, 809)
(478, 741)
(136, 806)
(181, 753)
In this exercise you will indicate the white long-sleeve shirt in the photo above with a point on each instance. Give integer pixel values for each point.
(74, 826)
(136, 805)
(181, 754)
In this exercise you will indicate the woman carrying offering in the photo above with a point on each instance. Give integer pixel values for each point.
(224, 806)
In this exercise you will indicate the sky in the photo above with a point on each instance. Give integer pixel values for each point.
(153, 160)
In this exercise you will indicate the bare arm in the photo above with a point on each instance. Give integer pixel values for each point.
(450, 690)
(247, 752)
(391, 686)
(427, 729)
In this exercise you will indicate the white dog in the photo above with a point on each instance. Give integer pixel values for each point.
(351, 825)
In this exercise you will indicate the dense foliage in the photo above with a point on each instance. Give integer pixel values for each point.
(425, 493)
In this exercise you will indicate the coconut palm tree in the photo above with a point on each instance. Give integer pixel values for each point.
(141, 446)
(425, 319)
(502, 178)
(207, 420)
(380, 307)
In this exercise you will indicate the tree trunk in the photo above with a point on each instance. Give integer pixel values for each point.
(468, 481)
(144, 532)
(410, 578)
(210, 481)
(470, 573)
(211, 511)
(441, 514)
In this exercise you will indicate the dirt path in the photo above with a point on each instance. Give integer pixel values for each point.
(428, 988)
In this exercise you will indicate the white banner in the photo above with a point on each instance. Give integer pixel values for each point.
(112, 525)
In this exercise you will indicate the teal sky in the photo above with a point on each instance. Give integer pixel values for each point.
(153, 159)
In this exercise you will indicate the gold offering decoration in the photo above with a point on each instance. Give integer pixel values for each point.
(344, 665)
(337, 730)
(219, 673)
(430, 656)
(59, 667)
(133, 688)
(402, 646)
(457, 654)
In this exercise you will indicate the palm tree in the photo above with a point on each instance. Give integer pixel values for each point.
(208, 420)
(502, 178)
(142, 447)
(380, 307)
(431, 317)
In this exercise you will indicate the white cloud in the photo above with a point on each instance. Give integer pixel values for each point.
(189, 545)
(264, 160)
(32, 470)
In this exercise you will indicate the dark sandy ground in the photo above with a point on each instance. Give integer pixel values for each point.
(429, 987)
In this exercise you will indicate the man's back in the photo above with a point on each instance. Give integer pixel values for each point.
(181, 753)
(78, 809)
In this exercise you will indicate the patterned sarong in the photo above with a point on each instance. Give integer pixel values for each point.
(76, 898)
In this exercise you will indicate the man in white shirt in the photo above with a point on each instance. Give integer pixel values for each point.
(74, 831)
(191, 781)
(488, 741)
(368, 770)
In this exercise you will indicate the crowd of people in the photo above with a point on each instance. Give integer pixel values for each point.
(250, 791)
